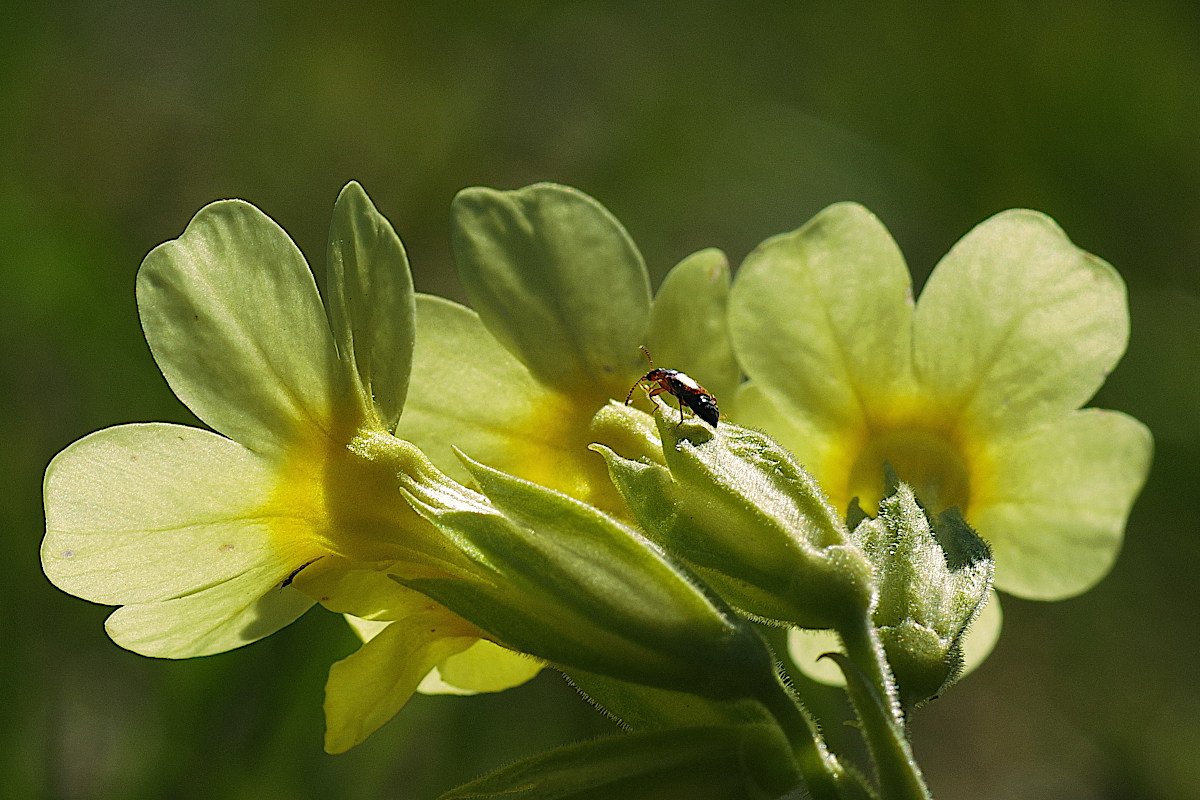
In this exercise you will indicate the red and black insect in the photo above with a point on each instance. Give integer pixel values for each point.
(671, 381)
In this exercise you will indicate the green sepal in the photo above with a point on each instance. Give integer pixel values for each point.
(933, 581)
(748, 762)
(746, 516)
(638, 707)
(563, 581)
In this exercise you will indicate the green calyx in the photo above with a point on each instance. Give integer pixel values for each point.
(748, 518)
(933, 581)
(558, 579)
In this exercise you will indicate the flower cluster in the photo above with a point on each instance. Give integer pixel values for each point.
(470, 488)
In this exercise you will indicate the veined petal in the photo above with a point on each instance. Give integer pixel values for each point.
(1054, 510)
(688, 329)
(1017, 325)
(234, 320)
(469, 392)
(558, 281)
(821, 317)
(148, 512)
(371, 301)
(367, 688)
(483, 667)
(230, 614)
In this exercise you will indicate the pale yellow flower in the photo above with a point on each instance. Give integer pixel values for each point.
(972, 393)
(211, 540)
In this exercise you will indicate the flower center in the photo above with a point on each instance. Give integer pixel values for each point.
(552, 450)
(926, 460)
(337, 494)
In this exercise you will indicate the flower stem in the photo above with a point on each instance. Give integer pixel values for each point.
(824, 776)
(872, 691)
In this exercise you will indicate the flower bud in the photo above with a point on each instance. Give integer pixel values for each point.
(746, 516)
(933, 582)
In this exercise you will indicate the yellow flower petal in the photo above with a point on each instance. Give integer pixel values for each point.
(483, 667)
(559, 282)
(821, 318)
(688, 323)
(230, 614)
(234, 320)
(1017, 325)
(467, 391)
(1015, 329)
(1054, 511)
(367, 688)
(362, 595)
(371, 302)
(148, 512)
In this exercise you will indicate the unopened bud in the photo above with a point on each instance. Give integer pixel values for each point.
(933, 581)
(746, 516)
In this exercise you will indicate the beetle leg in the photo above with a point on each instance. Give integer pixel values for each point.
(654, 393)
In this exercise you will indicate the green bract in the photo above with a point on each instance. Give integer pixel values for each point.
(971, 393)
(213, 540)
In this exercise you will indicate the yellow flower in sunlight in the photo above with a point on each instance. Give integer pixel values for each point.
(210, 541)
(972, 393)
(562, 304)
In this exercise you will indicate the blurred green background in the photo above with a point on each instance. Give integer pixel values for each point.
(697, 124)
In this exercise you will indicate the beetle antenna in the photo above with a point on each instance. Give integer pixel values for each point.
(647, 354)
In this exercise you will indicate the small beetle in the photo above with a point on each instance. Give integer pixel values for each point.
(671, 381)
